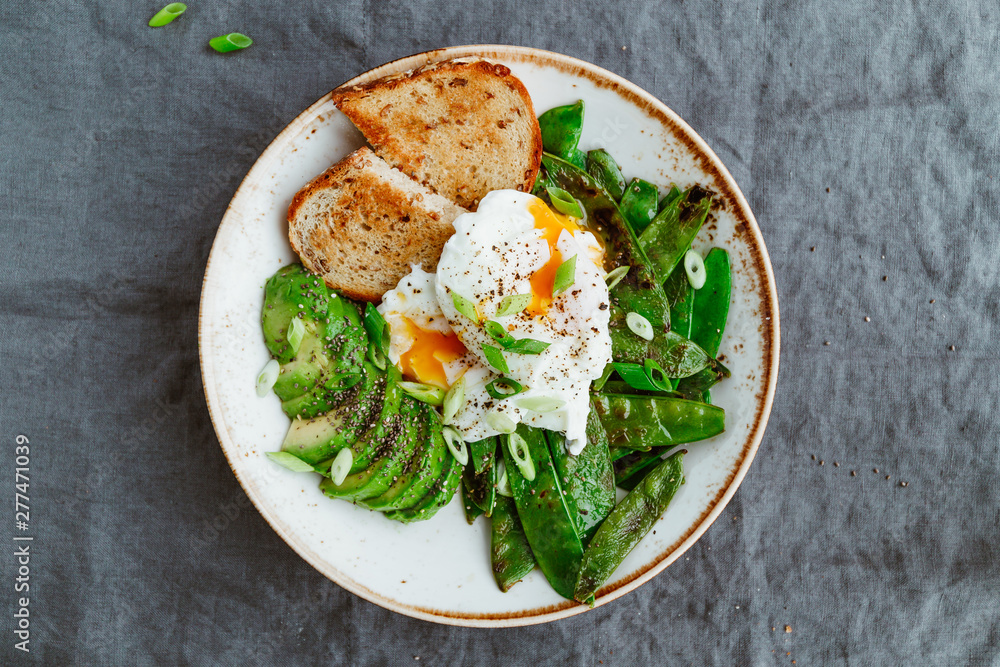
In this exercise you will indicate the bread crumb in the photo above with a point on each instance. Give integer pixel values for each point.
(788, 628)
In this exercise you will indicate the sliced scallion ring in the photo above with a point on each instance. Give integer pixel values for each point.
(564, 202)
(615, 275)
(296, 332)
(504, 387)
(234, 41)
(497, 332)
(454, 400)
(540, 404)
(376, 357)
(525, 345)
(635, 376)
(465, 307)
(167, 14)
(639, 325)
(513, 304)
(456, 445)
(657, 376)
(268, 376)
(341, 465)
(565, 276)
(425, 393)
(518, 448)
(503, 484)
(342, 381)
(694, 267)
(494, 356)
(500, 422)
(290, 461)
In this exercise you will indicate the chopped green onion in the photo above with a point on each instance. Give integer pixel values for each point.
(500, 422)
(526, 346)
(268, 376)
(341, 381)
(540, 404)
(499, 388)
(694, 267)
(341, 465)
(465, 307)
(615, 275)
(599, 382)
(494, 356)
(234, 41)
(424, 393)
(503, 484)
(513, 304)
(639, 325)
(377, 328)
(518, 448)
(454, 400)
(657, 375)
(296, 331)
(635, 376)
(290, 461)
(497, 331)
(376, 357)
(565, 276)
(456, 445)
(564, 202)
(167, 14)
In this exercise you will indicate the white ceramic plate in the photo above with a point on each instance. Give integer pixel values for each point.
(439, 570)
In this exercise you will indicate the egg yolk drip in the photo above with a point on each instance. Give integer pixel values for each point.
(428, 354)
(552, 224)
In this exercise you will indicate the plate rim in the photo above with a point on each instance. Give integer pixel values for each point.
(708, 160)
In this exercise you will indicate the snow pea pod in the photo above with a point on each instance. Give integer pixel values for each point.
(481, 487)
(671, 232)
(606, 172)
(697, 386)
(482, 453)
(681, 297)
(711, 302)
(631, 469)
(561, 129)
(545, 516)
(639, 204)
(643, 422)
(510, 553)
(472, 510)
(587, 479)
(627, 524)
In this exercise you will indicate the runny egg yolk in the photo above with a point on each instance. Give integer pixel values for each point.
(428, 354)
(552, 224)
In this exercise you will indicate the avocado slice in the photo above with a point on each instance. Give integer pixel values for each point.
(395, 448)
(357, 409)
(441, 489)
(291, 292)
(416, 477)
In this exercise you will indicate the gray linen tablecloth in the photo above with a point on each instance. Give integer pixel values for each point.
(864, 135)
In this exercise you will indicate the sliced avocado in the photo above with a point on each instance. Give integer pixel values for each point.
(417, 468)
(318, 439)
(395, 448)
(432, 465)
(291, 292)
(442, 488)
(306, 369)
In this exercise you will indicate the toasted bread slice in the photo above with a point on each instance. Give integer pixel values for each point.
(361, 223)
(460, 127)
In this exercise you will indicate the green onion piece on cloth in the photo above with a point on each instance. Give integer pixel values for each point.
(167, 14)
(234, 41)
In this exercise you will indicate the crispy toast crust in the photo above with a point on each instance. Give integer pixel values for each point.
(461, 127)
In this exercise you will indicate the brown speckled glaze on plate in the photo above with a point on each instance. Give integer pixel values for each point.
(439, 570)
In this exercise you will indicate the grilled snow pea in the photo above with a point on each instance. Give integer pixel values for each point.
(561, 129)
(709, 314)
(481, 487)
(587, 479)
(643, 422)
(627, 524)
(547, 520)
(472, 510)
(639, 204)
(606, 172)
(510, 553)
(671, 232)
(639, 291)
(630, 469)
(680, 296)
